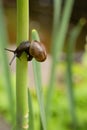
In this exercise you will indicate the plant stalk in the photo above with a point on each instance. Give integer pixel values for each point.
(22, 66)
(58, 43)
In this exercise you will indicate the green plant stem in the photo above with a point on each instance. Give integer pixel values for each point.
(31, 112)
(4, 62)
(38, 83)
(22, 65)
(57, 48)
(56, 18)
(70, 49)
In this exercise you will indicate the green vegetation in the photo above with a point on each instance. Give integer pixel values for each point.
(59, 111)
(22, 66)
(38, 83)
(4, 68)
(58, 106)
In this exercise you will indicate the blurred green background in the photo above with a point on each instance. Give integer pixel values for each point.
(62, 111)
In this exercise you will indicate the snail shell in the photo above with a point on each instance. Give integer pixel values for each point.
(38, 51)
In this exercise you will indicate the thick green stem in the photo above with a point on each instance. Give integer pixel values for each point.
(22, 65)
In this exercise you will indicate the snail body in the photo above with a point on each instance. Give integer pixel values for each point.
(34, 49)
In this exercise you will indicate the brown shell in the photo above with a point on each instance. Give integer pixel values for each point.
(38, 51)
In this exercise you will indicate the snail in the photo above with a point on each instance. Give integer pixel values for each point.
(34, 49)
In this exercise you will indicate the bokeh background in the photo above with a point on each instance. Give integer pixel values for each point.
(41, 19)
